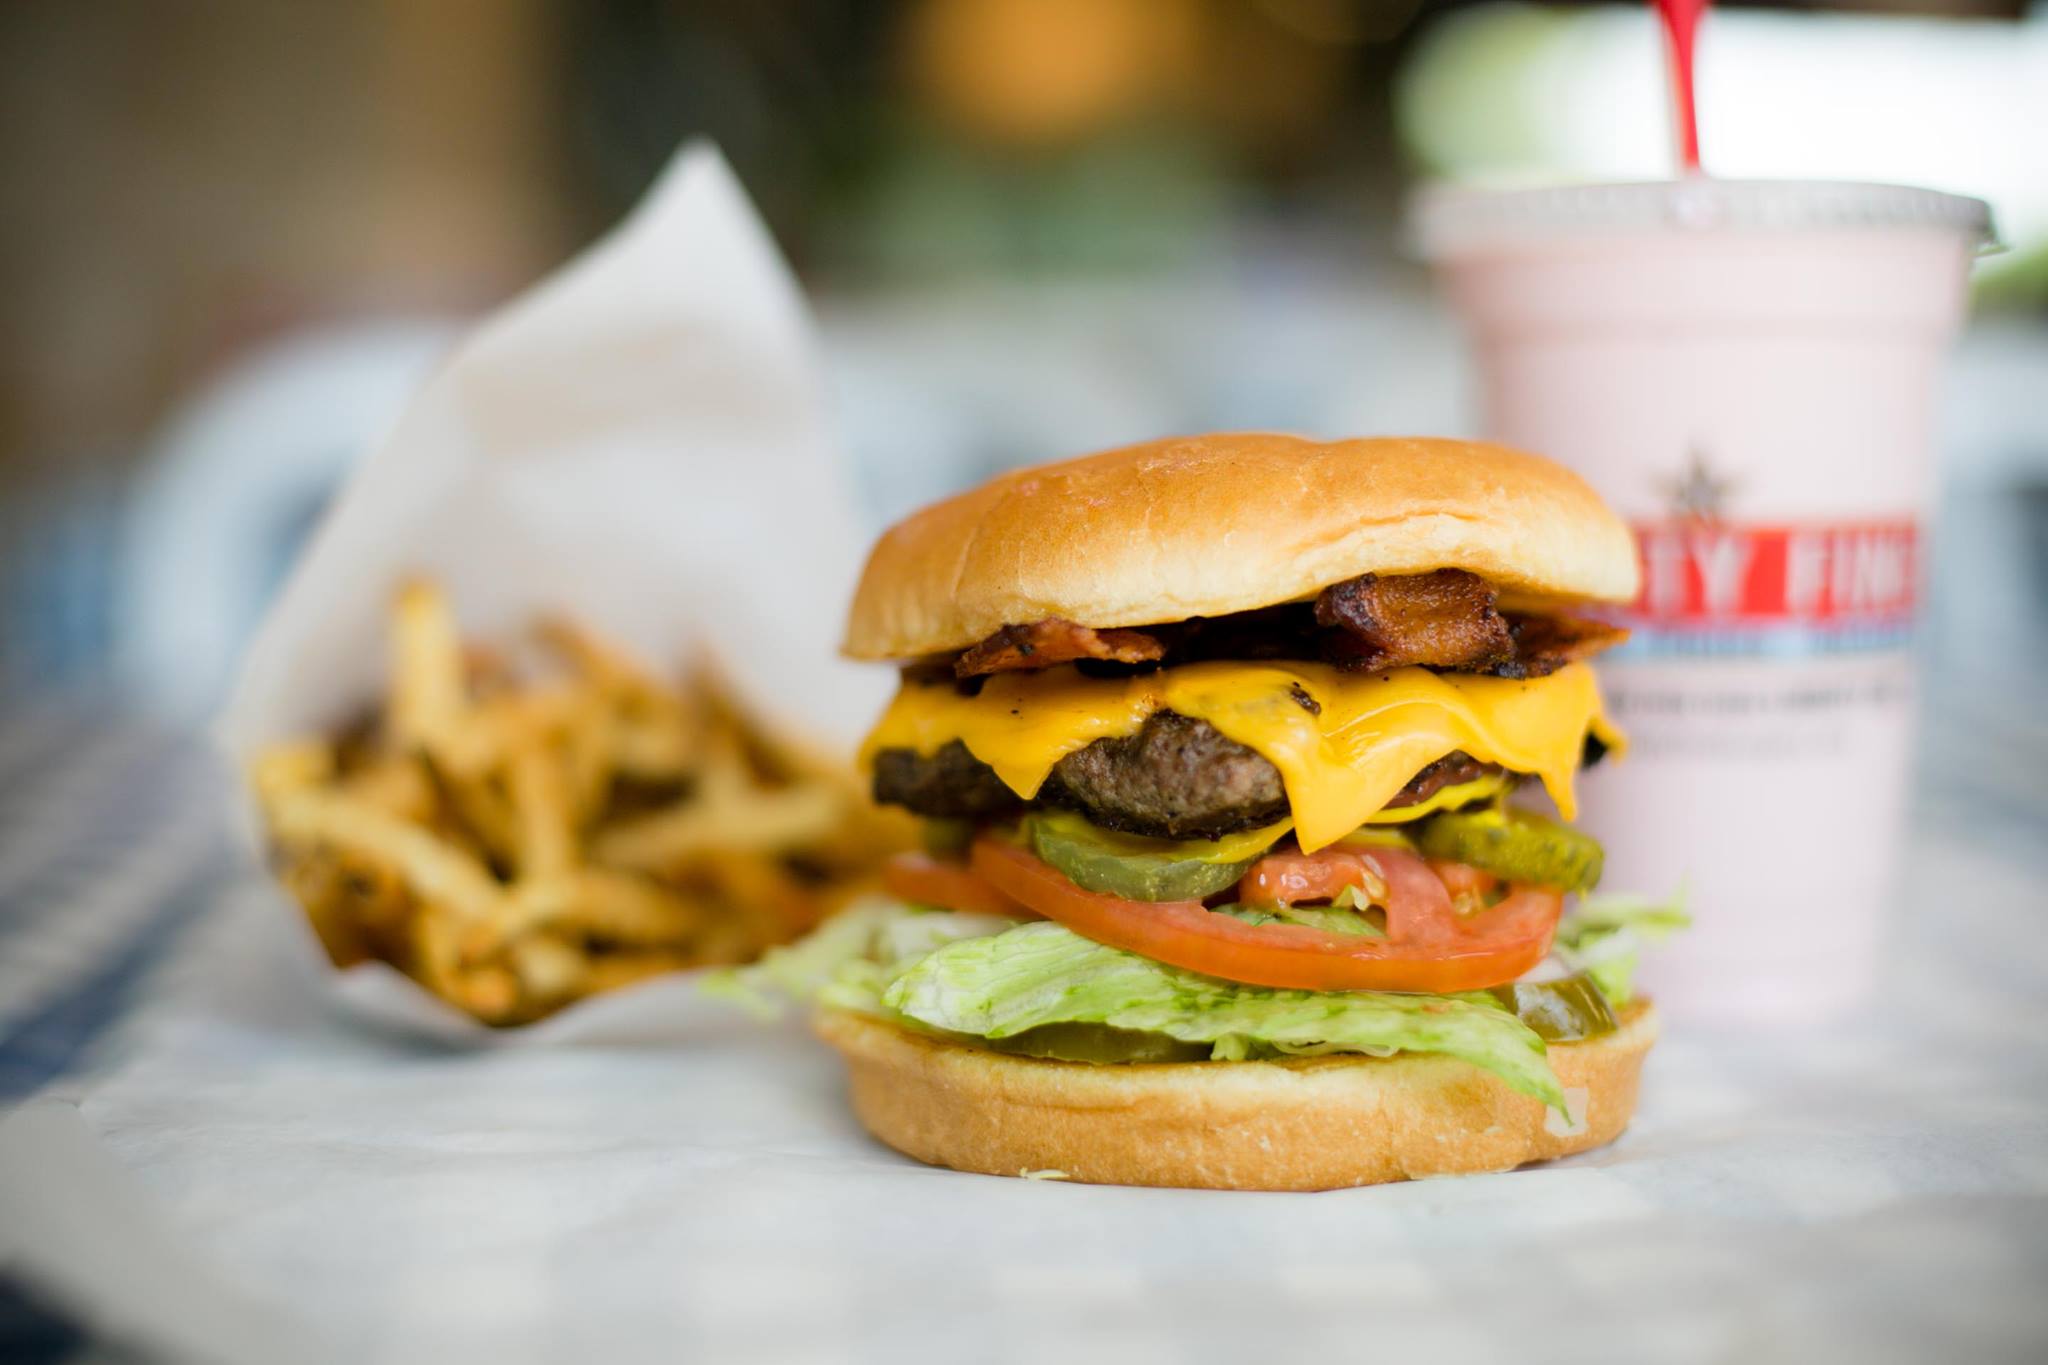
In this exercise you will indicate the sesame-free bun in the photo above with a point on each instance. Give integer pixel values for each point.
(1307, 1123)
(1207, 525)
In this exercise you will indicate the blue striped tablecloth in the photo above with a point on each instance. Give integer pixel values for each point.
(111, 850)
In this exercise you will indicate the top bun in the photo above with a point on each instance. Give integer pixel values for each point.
(1208, 525)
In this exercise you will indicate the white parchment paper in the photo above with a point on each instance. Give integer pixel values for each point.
(640, 440)
(258, 1181)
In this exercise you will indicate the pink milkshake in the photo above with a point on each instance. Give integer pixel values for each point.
(1748, 372)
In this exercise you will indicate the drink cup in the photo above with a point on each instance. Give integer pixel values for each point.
(1747, 371)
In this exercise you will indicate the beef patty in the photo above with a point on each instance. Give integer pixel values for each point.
(1177, 778)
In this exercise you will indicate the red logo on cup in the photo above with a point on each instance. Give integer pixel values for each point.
(1710, 572)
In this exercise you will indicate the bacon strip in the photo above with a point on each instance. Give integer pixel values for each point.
(1444, 619)
(1449, 771)
(1544, 644)
(1041, 644)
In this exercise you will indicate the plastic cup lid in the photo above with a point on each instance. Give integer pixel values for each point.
(1446, 221)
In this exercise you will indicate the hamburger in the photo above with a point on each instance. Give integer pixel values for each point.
(1230, 750)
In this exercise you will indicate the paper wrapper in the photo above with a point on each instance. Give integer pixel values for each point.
(639, 441)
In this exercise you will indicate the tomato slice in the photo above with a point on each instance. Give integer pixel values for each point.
(1463, 879)
(949, 885)
(1428, 947)
(1421, 899)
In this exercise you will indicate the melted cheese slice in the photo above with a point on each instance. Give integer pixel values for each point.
(1345, 743)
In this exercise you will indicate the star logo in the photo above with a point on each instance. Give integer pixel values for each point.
(1698, 494)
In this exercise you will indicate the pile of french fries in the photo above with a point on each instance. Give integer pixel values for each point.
(519, 832)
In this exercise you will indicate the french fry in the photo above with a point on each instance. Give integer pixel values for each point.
(731, 941)
(375, 895)
(487, 672)
(781, 905)
(588, 734)
(396, 786)
(603, 663)
(479, 809)
(540, 809)
(601, 904)
(548, 968)
(653, 747)
(654, 727)
(490, 992)
(767, 821)
(487, 990)
(292, 767)
(314, 881)
(433, 955)
(723, 775)
(480, 738)
(427, 691)
(516, 844)
(433, 868)
(614, 971)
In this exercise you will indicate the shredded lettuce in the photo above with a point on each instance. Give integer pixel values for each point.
(1604, 936)
(1345, 915)
(1039, 974)
(849, 950)
(982, 976)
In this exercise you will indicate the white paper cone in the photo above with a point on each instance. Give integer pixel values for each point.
(639, 441)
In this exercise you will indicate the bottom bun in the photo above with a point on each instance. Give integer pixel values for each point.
(1304, 1123)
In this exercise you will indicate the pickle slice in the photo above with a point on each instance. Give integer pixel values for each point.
(1559, 1011)
(1515, 845)
(1228, 848)
(1141, 869)
(1378, 836)
(947, 838)
(1097, 1043)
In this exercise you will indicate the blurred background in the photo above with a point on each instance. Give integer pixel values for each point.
(238, 231)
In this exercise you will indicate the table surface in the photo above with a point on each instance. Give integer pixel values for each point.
(1880, 1185)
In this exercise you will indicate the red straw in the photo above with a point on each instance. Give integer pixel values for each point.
(1681, 22)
